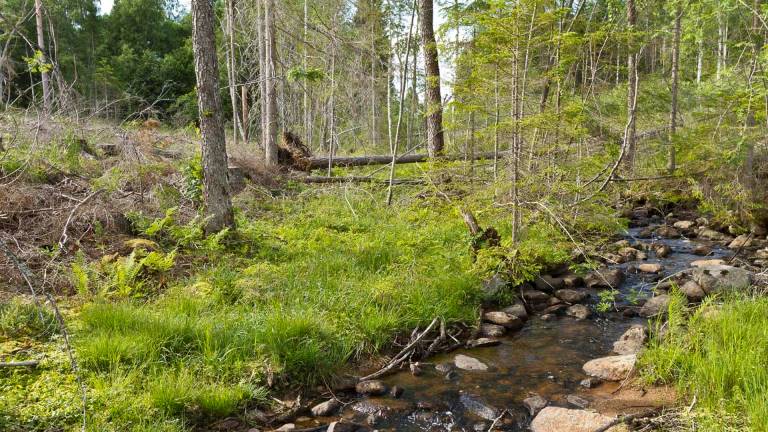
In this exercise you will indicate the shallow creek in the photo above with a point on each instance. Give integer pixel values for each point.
(545, 357)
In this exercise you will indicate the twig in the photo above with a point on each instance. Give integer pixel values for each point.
(402, 355)
(26, 363)
(72, 360)
(496, 420)
(625, 419)
(64, 236)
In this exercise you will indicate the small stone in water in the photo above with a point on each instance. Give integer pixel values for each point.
(590, 382)
(469, 363)
(577, 401)
(534, 404)
(372, 387)
(396, 392)
(578, 311)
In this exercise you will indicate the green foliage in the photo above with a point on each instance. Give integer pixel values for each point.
(715, 353)
(312, 75)
(193, 180)
(22, 319)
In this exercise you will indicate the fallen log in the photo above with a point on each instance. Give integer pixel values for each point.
(26, 363)
(353, 161)
(353, 179)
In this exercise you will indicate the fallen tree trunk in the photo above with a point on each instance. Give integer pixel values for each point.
(352, 161)
(352, 179)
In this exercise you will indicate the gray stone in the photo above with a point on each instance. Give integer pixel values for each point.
(590, 382)
(503, 319)
(578, 311)
(571, 296)
(556, 419)
(492, 330)
(611, 368)
(662, 251)
(577, 401)
(479, 407)
(548, 283)
(535, 296)
(650, 268)
(517, 310)
(573, 281)
(604, 278)
(371, 387)
(710, 234)
(707, 262)
(717, 278)
(744, 240)
(469, 363)
(655, 305)
(534, 404)
(702, 250)
(665, 231)
(632, 341)
(693, 291)
(326, 408)
(684, 225)
(483, 343)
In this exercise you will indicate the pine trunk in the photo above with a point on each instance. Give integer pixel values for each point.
(215, 173)
(434, 101)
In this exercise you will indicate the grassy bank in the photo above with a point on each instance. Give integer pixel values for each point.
(716, 356)
(183, 330)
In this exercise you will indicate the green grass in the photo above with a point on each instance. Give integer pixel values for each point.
(720, 357)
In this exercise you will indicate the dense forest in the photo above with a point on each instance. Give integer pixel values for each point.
(393, 215)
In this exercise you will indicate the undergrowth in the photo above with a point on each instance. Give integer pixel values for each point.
(716, 354)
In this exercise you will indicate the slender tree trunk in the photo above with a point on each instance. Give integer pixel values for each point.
(260, 32)
(307, 116)
(45, 75)
(671, 162)
(230, 57)
(434, 101)
(700, 59)
(270, 60)
(216, 189)
(631, 132)
(245, 122)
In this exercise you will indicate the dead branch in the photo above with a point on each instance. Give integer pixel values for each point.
(402, 355)
(26, 363)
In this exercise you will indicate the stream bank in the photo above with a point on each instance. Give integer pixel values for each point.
(562, 357)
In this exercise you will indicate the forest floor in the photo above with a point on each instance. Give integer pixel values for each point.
(174, 331)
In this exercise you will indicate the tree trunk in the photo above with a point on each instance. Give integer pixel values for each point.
(671, 162)
(631, 130)
(700, 59)
(215, 173)
(434, 101)
(230, 57)
(270, 59)
(45, 76)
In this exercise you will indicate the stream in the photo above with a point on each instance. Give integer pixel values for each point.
(545, 357)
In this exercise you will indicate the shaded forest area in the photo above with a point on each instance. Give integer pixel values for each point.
(499, 215)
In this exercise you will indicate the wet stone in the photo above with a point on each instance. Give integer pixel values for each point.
(534, 404)
(716, 278)
(478, 407)
(517, 310)
(577, 401)
(578, 311)
(571, 296)
(702, 250)
(650, 268)
(548, 283)
(655, 306)
(611, 368)
(604, 278)
(707, 262)
(632, 341)
(662, 251)
(396, 392)
(371, 387)
(326, 408)
(443, 367)
(590, 382)
(469, 363)
(492, 330)
(535, 296)
(483, 343)
(555, 419)
(572, 281)
(503, 319)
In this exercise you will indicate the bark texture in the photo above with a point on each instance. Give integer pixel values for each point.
(435, 142)
(45, 75)
(270, 79)
(631, 130)
(671, 161)
(215, 173)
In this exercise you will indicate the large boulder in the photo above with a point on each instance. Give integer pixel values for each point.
(632, 341)
(611, 368)
(556, 419)
(604, 278)
(655, 306)
(717, 278)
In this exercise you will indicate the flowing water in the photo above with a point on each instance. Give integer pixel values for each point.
(545, 357)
